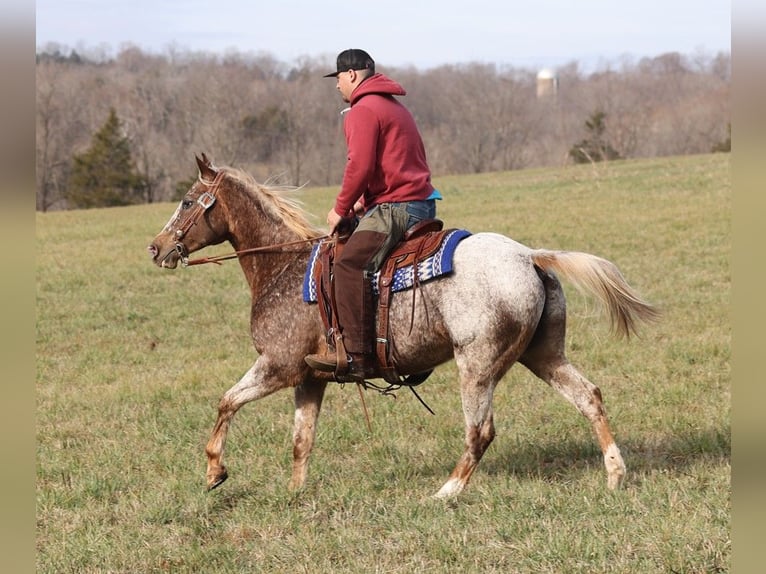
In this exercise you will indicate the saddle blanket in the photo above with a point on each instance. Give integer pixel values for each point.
(438, 264)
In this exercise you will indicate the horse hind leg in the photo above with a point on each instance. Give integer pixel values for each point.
(560, 374)
(480, 368)
(584, 395)
(546, 358)
(479, 433)
(493, 345)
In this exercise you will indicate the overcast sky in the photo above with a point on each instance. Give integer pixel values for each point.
(423, 33)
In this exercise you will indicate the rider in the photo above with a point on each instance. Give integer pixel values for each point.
(386, 179)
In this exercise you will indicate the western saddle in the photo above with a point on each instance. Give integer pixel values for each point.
(420, 242)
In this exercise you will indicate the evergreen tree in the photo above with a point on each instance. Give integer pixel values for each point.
(104, 175)
(594, 147)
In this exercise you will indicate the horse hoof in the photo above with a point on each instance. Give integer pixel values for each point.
(450, 489)
(615, 467)
(614, 481)
(218, 480)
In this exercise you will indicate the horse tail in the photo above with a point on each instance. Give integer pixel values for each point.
(601, 278)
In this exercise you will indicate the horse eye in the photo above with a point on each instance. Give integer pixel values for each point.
(186, 203)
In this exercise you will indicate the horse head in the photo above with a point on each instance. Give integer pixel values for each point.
(197, 221)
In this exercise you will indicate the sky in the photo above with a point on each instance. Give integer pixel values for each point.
(397, 33)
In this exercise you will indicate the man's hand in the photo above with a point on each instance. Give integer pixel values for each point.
(333, 219)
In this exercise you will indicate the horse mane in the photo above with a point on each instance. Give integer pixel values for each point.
(277, 203)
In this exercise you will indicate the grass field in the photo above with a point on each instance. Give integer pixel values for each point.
(132, 360)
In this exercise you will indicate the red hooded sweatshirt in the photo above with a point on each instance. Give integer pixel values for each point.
(386, 156)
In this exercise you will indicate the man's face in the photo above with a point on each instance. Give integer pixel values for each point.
(346, 84)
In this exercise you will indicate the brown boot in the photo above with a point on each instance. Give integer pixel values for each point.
(360, 367)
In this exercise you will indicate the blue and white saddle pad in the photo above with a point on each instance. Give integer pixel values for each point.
(438, 264)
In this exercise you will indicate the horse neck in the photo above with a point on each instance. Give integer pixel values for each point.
(250, 228)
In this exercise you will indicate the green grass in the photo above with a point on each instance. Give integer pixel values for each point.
(131, 362)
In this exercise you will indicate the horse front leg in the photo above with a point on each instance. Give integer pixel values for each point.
(308, 403)
(257, 383)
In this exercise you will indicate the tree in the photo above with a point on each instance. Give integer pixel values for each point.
(61, 111)
(595, 147)
(267, 131)
(281, 120)
(104, 176)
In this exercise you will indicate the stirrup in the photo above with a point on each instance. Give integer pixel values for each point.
(323, 363)
(358, 371)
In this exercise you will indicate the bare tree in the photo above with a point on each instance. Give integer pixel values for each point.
(60, 127)
(275, 119)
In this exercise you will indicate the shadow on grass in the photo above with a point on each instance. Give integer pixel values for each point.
(553, 460)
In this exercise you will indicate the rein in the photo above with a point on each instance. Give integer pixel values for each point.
(278, 248)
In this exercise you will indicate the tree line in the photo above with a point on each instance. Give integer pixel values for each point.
(124, 129)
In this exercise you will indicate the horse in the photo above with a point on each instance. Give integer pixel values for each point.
(502, 304)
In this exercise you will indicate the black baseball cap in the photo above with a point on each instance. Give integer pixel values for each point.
(353, 59)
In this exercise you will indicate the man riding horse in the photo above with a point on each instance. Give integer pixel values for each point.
(388, 183)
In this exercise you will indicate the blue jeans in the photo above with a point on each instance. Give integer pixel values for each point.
(419, 210)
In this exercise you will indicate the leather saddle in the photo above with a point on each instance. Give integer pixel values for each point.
(420, 242)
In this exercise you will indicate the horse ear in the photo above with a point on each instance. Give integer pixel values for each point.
(205, 166)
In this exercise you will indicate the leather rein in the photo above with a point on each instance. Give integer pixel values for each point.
(205, 202)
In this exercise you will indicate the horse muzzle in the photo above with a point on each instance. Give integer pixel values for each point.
(171, 258)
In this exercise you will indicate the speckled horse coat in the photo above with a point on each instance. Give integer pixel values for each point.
(501, 305)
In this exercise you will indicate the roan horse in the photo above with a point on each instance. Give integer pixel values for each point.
(502, 304)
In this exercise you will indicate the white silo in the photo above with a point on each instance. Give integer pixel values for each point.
(547, 83)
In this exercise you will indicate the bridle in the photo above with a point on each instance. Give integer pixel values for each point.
(204, 202)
